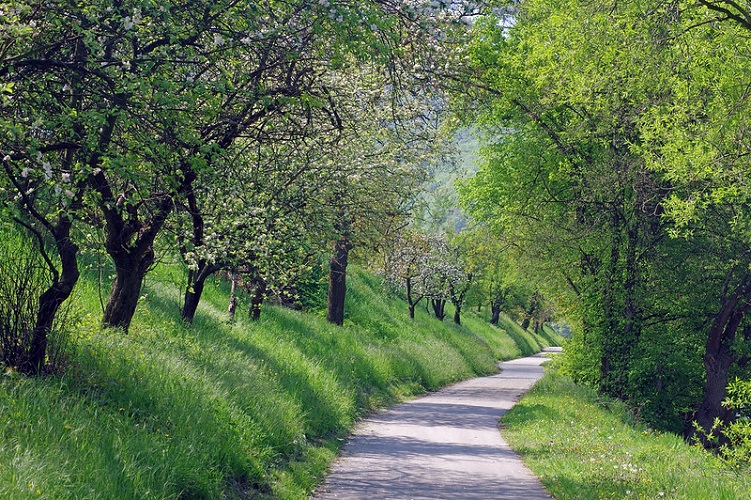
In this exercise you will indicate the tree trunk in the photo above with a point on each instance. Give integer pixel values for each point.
(411, 302)
(718, 357)
(439, 306)
(232, 297)
(337, 281)
(52, 298)
(496, 313)
(256, 300)
(130, 270)
(457, 298)
(611, 366)
(197, 278)
(192, 296)
(130, 244)
(194, 290)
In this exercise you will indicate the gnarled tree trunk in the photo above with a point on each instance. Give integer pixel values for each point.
(411, 301)
(52, 298)
(718, 356)
(495, 309)
(130, 244)
(130, 270)
(439, 306)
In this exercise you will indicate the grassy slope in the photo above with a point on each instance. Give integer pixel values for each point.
(584, 447)
(212, 410)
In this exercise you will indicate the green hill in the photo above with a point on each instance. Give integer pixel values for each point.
(212, 410)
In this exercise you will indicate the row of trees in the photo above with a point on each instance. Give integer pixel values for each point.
(616, 153)
(471, 267)
(428, 267)
(248, 134)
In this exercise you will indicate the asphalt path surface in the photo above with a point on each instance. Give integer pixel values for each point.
(442, 446)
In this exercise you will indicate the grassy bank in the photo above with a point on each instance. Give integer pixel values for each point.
(218, 411)
(584, 447)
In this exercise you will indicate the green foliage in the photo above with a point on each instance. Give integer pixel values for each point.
(608, 130)
(235, 125)
(583, 445)
(737, 449)
(666, 378)
(581, 360)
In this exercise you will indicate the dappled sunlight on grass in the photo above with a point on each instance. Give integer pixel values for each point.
(212, 409)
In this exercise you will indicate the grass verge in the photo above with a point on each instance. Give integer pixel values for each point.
(212, 410)
(585, 447)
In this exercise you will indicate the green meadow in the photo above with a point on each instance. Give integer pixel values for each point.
(213, 410)
(583, 445)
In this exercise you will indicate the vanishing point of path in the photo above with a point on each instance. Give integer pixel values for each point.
(442, 446)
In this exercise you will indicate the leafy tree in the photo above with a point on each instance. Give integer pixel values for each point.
(498, 276)
(405, 262)
(258, 219)
(611, 127)
(137, 103)
(392, 132)
(561, 179)
(52, 134)
(429, 267)
(697, 138)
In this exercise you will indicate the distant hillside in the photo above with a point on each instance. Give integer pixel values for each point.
(441, 203)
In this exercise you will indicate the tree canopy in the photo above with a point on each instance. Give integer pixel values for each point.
(227, 125)
(615, 156)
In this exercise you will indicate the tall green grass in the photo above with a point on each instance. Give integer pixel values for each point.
(249, 410)
(585, 447)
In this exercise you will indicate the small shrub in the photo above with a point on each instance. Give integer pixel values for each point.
(737, 450)
(24, 276)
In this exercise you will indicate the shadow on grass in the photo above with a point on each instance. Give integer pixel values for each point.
(524, 412)
(303, 346)
(379, 378)
(522, 341)
(549, 335)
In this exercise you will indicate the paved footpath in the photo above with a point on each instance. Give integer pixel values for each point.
(442, 446)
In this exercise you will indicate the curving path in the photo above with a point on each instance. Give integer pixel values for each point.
(442, 446)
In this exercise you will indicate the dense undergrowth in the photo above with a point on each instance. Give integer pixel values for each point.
(249, 410)
(583, 445)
